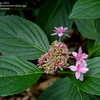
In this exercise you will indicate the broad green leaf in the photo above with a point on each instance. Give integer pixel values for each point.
(94, 51)
(86, 9)
(88, 28)
(65, 90)
(16, 75)
(21, 37)
(54, 13)
(91, 83)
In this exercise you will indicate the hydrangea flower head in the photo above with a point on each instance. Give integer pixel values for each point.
(80, 68)
(55, 58)
(60, 31)
(80, 55)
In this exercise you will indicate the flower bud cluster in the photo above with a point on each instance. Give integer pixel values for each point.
(55, 58)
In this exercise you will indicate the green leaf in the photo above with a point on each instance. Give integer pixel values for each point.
(88, 28)
(94, 51)
(21, 37)
(64, 90)
(54, 13)
(16, 75)
(91, 84)
(86, 9)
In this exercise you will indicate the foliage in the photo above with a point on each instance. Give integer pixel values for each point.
(22, 40)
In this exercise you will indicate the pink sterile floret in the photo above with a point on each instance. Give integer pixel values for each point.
(80, 55)
(60, 31)
(80, 68)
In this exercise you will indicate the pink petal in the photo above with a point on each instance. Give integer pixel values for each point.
(84, 70)
(60, 34)
(61, 28)
(65, 28)
(80, 50)
(84, 63)
(81, 63)
(84, 56)
(77, 74)
(81, 77)
(73, 68)
(74, 54)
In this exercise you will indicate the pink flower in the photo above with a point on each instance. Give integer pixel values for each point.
(80, 69)
(60, 31)
(80, 55)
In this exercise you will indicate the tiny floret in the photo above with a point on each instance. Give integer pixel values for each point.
(60, 31)
(80, 55)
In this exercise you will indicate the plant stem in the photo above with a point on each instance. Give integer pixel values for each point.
(59, 39)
